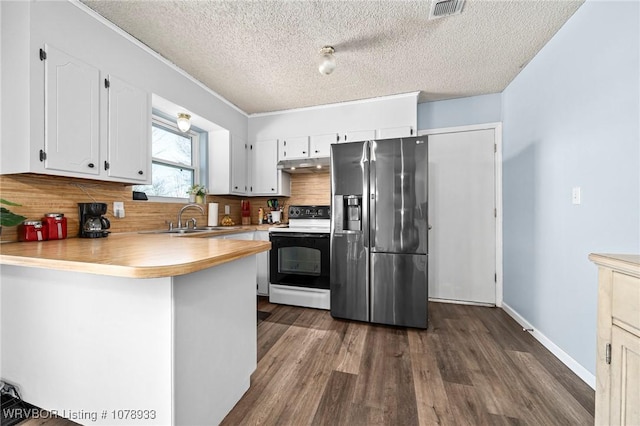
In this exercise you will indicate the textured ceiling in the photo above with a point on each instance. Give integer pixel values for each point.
(263, 55)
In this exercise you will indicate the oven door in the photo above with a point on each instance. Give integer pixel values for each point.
(299, 259)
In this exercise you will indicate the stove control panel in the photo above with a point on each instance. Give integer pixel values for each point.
(309, 212)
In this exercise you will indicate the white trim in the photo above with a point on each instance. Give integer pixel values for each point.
(461, 302)
(497, 128)
(565, 358)
(153, 53)
(316, 107)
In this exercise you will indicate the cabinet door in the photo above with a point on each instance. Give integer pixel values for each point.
(395, 132)
(238, 166)
(625, 378)
(263, 265)
(72, 114)
(319, 145)
(264, 179)
(128, 132)
(359, 136)
(292, 148)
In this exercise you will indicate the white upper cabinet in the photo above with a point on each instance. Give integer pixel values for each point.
(292, 148)
(396, 132)
(358, 136)
(266, 179)
(78, 104)
(239, 178)
(129, 133)
(319, 145)
(265, 167)
(72, 114)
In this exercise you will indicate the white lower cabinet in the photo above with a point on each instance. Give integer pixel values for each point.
(263, 265)
(262, 259)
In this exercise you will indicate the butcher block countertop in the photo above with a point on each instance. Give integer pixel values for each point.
(132, 255)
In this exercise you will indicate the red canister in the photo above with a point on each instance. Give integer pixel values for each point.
(56, 226)
(32, 230)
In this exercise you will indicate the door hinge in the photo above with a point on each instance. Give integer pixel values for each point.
(284, 143)
(607, 353)
(495, 147)
(106, 165)
(495, 277)
(495, 212)
(43, 155)
(43, 55)
(106, 83)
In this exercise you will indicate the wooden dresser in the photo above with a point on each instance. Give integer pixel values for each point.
(618, 352)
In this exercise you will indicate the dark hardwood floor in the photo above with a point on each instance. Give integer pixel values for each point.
(472, 366)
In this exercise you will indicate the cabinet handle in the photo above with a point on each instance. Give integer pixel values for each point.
(91, 165)
(316, 151)
(235, 187)
(411, 132)
(140, 172)
(273, 189)
(337, 138)
(304, 152)
(285, 153)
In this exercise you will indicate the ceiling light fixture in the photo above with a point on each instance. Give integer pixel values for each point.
(183, 121)
(328, 63)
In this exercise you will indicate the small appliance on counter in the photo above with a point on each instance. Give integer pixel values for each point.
(93, 224)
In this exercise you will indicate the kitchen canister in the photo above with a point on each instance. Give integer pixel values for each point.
(32, 230)
(212, 218)
(56, 226)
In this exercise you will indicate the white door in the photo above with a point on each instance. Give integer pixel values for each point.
(462, 240)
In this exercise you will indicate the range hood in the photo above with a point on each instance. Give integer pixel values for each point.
(305, 165)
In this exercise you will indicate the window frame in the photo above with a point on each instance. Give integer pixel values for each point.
(195, 157)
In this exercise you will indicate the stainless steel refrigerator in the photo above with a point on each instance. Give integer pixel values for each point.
(379, 231)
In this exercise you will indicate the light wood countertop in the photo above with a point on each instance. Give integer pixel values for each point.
(131, 255)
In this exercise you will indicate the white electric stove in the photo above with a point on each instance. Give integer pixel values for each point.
(299, 258)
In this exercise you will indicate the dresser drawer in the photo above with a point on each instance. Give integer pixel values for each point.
(626, 299)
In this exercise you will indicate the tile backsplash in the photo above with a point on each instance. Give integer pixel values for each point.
(40, 194)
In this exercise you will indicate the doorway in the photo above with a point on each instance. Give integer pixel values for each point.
(464, 252)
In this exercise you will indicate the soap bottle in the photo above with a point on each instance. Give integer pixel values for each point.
(260, 215)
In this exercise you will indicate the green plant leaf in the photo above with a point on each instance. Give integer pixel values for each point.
(8, 218)
(8, 203)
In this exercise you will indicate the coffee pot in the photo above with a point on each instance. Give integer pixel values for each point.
(92, 222)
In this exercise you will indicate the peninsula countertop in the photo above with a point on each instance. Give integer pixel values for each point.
(132, 255)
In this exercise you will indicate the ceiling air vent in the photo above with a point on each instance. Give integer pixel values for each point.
(442, 8)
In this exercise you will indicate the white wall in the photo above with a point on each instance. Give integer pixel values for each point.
(571, 118)
(460, 112)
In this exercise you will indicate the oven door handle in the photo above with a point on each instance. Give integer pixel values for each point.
(299, 235)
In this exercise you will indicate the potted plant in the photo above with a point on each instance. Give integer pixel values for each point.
(7, 217)
(196, 193)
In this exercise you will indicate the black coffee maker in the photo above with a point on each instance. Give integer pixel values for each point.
(92, 222)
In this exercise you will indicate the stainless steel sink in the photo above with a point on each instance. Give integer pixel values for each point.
(176, 231)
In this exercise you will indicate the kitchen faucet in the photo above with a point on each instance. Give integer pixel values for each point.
(186, 207)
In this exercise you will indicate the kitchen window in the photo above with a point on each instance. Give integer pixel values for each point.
(174, 166)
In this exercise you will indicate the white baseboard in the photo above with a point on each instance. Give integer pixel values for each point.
(573, 365)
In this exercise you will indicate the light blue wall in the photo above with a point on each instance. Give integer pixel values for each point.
(571, 118)
(460, 112)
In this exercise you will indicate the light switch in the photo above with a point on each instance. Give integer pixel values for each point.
(575, 195)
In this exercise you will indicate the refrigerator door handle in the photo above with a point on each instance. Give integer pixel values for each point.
(372, 190)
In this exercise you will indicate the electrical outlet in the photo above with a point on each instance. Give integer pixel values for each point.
(118, 209)
(575, 195)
